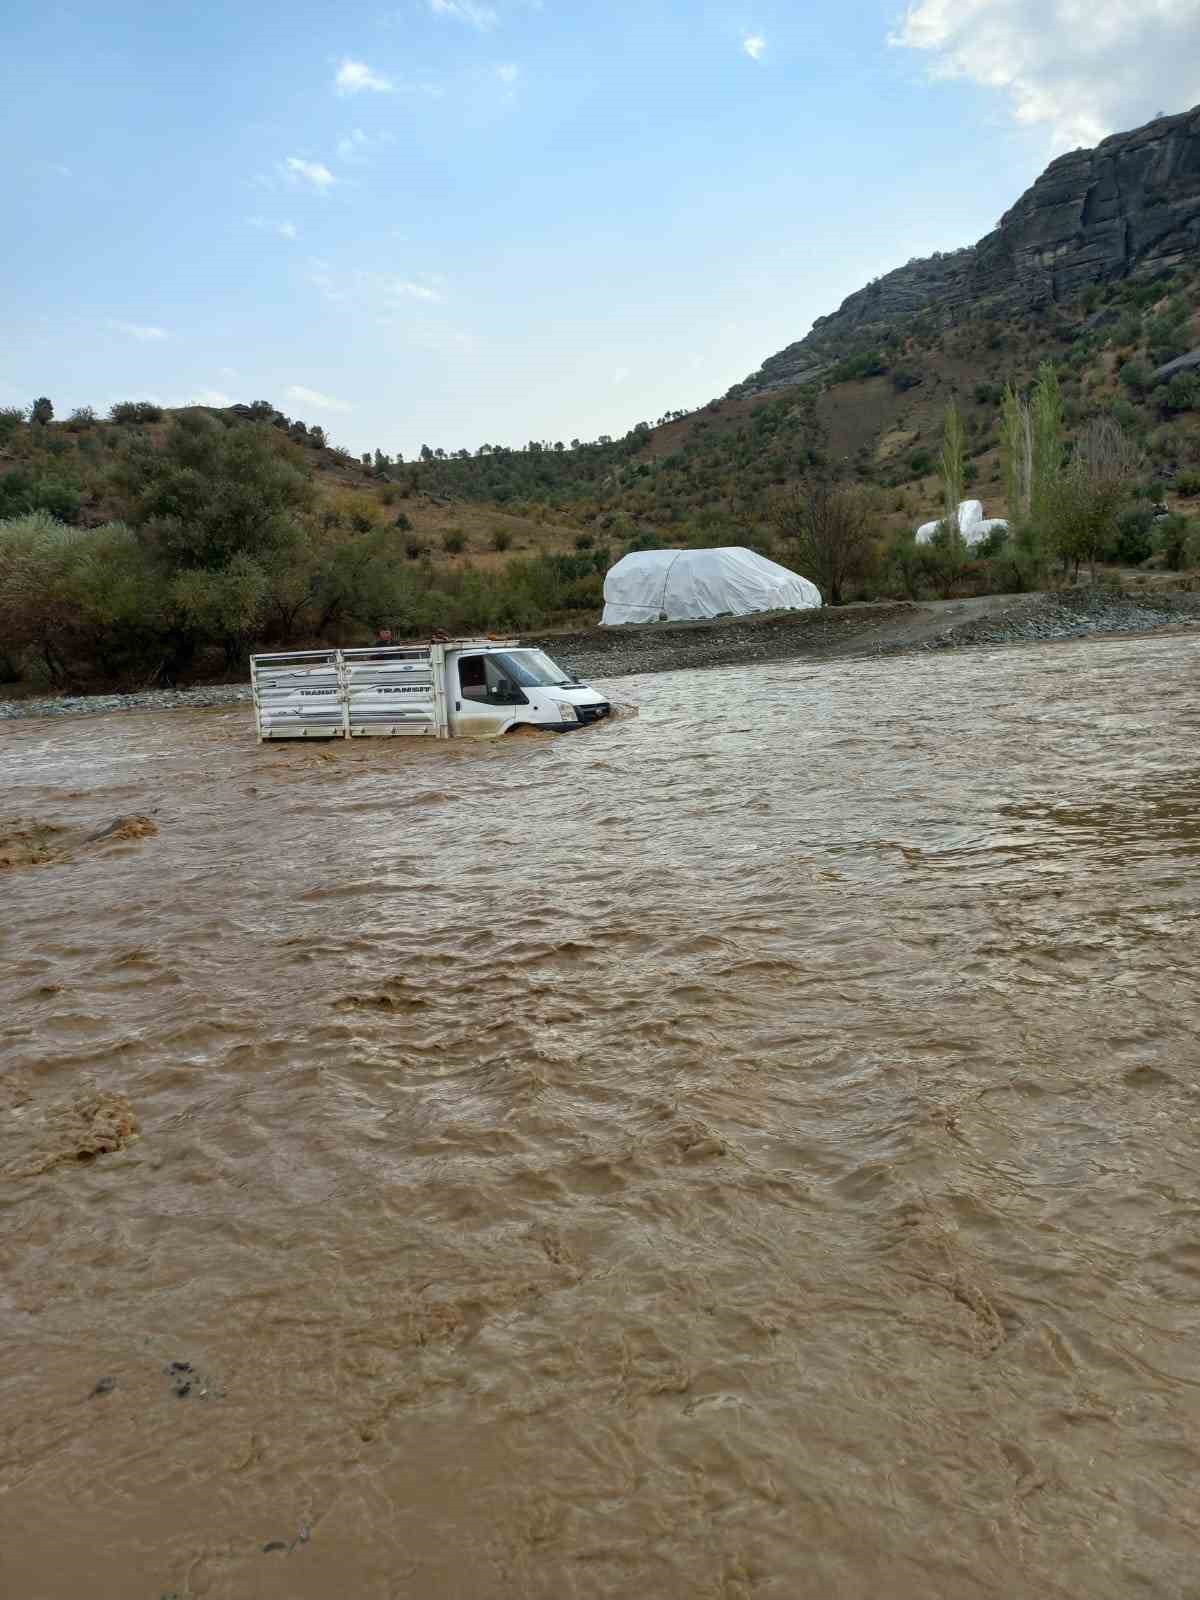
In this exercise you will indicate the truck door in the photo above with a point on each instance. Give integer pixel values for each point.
(484, 699)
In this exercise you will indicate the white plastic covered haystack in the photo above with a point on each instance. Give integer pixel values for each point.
(972, 524)
(681, 585)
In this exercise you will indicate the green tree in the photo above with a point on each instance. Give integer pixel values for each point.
(952, 465)
(42, 411)
(1046, 422)
(11, 418)
(213, 493)
(1086, 499)
(1016, 446)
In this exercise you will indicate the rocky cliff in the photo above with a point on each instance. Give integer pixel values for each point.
(1130, 206)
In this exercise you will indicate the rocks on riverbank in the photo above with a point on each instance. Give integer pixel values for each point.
(74, 705)
(891, 629)
(1073, 614)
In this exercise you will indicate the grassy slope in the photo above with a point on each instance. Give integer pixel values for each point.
(729, 456)
(709, 475)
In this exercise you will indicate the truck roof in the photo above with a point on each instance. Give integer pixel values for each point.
(423, 645)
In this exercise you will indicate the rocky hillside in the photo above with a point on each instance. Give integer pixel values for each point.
(1129, 208)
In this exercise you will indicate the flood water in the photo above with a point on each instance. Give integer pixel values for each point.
(749, 1151)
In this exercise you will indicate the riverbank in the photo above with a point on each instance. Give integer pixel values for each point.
(867, 631)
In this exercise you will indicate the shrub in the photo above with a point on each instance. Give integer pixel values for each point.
(1188, 483)
(1133, 543)
(584, 541)
(11, 418)
(866, 364)
(403, 522)
(135, 411)
(82, 417)
(414, 549)
(454, 542)
(1173, 536)
(22, 493)
(42, 411)
(501, 539)
(920, 463)
(1136, 376)
(1182, 393)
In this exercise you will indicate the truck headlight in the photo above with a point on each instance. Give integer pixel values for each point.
(567, 712)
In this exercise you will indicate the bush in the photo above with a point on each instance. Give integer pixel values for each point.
(11, 418)
(1181, 394)
(22, 493)
(1136, 376)
(414, 549)
(1133, 543)
(920, 463)
(501, 539)
(1188, 483)
(135, 411)
(403, 522)
(584, 541)
(867, 364)
(82, 417)
(454, 542)
(42, 411)
(1175, 539)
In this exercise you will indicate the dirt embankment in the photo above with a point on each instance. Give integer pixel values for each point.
(895, 628)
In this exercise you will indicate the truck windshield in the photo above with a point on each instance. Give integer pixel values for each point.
(532, 669)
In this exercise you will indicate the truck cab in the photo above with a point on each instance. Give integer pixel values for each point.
(492, 690)
(446, 689)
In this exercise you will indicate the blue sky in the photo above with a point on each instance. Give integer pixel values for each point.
(458, 221)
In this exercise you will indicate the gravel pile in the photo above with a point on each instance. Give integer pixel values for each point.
(74, 705)
(676, 646)
(1073, 615)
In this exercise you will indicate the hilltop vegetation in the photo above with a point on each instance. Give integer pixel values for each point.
(153, 545)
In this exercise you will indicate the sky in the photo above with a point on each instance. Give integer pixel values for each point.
(459, 222)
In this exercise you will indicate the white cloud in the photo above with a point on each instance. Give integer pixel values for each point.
(358, 146)
(355, 76)
(377, 291)
(620, 374)
(474, 15)
(139, 331)
(314, 172)
(228, 372)
(1082, 68)
(507, 72)
(406, 289)
(210, 397)
(285, 230)
(315, 399)
(755, 45)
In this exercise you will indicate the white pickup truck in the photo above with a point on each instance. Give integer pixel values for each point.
(452, 689)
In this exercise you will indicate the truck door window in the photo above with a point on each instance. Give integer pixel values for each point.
(472, 678)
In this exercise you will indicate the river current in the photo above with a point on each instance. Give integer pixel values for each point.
(746, 1151)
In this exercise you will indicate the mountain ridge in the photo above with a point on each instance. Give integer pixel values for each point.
(1129, 207)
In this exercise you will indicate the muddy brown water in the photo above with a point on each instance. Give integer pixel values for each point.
(750, 1150)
